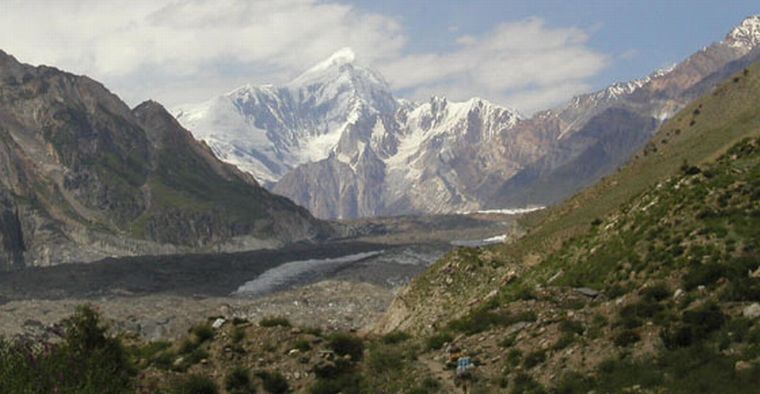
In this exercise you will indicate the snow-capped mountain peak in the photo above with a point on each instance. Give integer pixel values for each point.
(746, 35)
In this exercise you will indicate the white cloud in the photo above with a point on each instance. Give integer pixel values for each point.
(189, 41)
(180, 51)
(524, 64)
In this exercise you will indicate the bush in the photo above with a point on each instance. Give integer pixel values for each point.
(238, 334)
(703, 274)
(274, 322)
(346, 344)
(705, 319)
(656, 292)
(571, 327)
(273, 382)
(395, 337)
(87, 361)
(523, 383)
(626, 338)
(437, 341)
(238, 381)
(564, 341)
(202, 333)
(533, 359)
(195, 384)
(302, 345)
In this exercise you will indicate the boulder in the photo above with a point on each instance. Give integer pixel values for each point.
(751, 311)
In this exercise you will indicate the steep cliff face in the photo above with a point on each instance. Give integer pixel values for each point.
(84, 177)
(336, 141)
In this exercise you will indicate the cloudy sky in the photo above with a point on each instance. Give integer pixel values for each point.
(524, 54)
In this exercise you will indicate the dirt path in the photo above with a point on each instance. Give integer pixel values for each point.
(440, 373)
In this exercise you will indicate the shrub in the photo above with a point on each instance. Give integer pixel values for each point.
(347, 344)
(202, 333)
(656, 292)
(523, 383)
(564, 341)
(302, 345)
(626, 338)
(571, 327)
(513, 357)
(238, 334)
(533, 359)
(274, 322)
(705, 319)
(273, 382)
(345, 384)
(703, 274)
(238, 381)
(395, 337)
(437, 341)
(195, 384)
(87, 361)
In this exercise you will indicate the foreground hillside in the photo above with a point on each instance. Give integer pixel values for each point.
(85, 177)
(646, 283)
(700, 133)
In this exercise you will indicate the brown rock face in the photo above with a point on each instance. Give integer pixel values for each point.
(85, 177)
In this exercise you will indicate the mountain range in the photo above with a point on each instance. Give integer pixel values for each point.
(83, 177)
(336, 141)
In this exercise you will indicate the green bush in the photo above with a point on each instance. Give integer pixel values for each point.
(657, 292)
(273, 382)
(302, 345)
(347, 344)
(202, 333)
(395, 337)
(524, 384)
(533, 359)
(274, 322)
(238, 334)
(571, 327)
(439, 339)
(703, 275)
(194, 384)
(626, 338)
(86, 361)
(238, 381)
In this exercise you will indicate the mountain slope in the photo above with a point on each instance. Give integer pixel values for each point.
(701, 132)
(85, 177)
(336, 141)
(655, 265)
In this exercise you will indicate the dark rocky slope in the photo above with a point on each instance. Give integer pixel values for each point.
(84, 177)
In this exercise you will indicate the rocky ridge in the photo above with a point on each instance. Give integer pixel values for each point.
(336, 141)
(85, 177)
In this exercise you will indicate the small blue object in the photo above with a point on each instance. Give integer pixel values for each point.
(463, 364)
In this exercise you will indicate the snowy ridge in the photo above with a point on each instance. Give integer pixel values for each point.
(746, 36)
(337, 108)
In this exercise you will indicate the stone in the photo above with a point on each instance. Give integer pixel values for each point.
(218, 323)
(751, 311)
(742, 366)
(588, 292)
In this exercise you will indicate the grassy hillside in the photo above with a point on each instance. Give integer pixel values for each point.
(698, 134)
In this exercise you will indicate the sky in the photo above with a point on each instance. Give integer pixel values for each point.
(527, 55)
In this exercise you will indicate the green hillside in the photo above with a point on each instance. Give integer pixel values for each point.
(698, 134)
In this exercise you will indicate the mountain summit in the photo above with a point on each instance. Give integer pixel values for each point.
(336, 140)
(746, 35)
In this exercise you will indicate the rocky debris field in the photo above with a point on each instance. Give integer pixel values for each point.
(338, 305)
